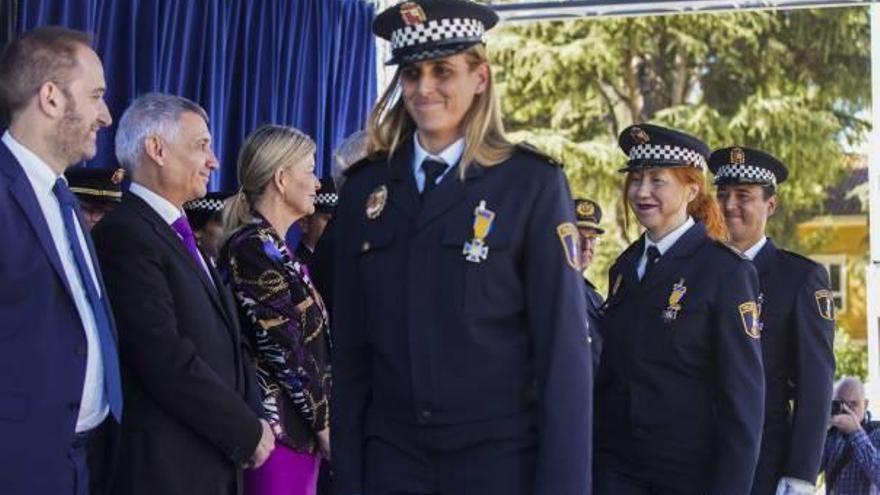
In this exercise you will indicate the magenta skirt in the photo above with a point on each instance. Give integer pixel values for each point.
(286, 472)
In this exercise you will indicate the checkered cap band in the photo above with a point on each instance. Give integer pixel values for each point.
(326, 199)
(204, 204)
(745, 173)
(456, 29)
(667, 152)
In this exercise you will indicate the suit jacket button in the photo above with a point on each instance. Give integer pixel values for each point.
(80, 350)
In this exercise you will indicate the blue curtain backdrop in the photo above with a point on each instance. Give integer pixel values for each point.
(305, 63)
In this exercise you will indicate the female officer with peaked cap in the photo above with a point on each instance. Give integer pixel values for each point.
(461, 356)
(680, 389)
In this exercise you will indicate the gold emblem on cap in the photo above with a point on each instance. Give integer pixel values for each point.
(376, 202)
(639, 135)
(737, 156)
(118, 175)
(585, 209)
(412, 14)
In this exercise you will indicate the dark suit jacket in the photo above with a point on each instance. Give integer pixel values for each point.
(42, 345)
(796, 340)
(187, 426)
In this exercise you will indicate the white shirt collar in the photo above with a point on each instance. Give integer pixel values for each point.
(753, 251)
(451, 155)
(163, 207)
(669, 239)
(38, 172)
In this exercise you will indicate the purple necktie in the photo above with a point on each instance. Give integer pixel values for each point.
(181, 226)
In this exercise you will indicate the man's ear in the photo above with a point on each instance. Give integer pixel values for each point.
(155, 149)
(51, 100)
(771, 205)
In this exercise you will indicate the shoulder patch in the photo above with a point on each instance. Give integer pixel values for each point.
(825, 304)
(533, 150)
(730, 249)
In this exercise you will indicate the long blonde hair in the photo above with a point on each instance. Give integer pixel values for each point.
(265, 150)
(485, 143)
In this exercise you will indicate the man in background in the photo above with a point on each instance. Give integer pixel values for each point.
(98, 190)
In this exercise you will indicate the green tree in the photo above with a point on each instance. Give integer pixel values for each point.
(791, 82)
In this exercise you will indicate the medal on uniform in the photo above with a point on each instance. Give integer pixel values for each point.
(376, 202)
(476, 250)
(674, 302)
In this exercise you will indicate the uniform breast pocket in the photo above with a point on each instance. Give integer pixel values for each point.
(688, 330)
(493, 285)
(373, 251)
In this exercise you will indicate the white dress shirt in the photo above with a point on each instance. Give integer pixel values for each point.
(663, 244)
(93, 403)
(167, 211)
(450, 156)
(753, 251)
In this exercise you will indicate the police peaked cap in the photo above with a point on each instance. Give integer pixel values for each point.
(651, 146)
(740, 165)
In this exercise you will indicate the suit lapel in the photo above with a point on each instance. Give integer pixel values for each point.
(167, 234)
(20, 189)
(404, 193)
(764, 259)
(450, 192)
(684, 247)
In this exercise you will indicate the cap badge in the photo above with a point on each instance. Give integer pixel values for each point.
(674, 302)
(639, 135)
(737, 156)
(118, 175)
(585, 209)
(476, 250)
(412, 14)
(376, 202)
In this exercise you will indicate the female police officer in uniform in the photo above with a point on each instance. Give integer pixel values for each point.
(461, 356)
(679, 392)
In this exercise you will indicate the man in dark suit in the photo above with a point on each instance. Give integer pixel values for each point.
(188, 427)
(797, 314)
(60, 391)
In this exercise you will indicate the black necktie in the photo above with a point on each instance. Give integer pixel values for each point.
(433, 169)
(107, 343)
(653, 255)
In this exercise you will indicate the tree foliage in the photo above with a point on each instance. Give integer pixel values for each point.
(795, 83)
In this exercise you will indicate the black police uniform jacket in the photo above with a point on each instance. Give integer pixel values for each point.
(424, 337)
(796, 338)
(594, 311)
(682, 398)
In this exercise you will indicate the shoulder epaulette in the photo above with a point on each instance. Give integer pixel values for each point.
(730, 249)
(533, 150)
(363, 163)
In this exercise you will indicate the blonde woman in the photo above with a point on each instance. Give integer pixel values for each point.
(461, 354)
(285, 319)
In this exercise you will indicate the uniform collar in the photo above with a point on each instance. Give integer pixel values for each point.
(753, 251)
(450, 155)
(669, 239)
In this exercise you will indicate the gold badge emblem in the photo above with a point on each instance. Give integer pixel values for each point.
(118, 175)
(639, 135)
(568, 236)
(476, 250)
(585, 209)
(673, 305)
(750, 316)
(412, 14)
(737, 156)
(376, 202)
(825, 303)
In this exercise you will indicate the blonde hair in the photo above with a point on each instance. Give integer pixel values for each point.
(265, 150)
(703, 207)
(485, 143)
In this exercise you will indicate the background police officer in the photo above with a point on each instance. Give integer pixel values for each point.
(679, 393)
(588, 214)
(797, 314)
(461, 359)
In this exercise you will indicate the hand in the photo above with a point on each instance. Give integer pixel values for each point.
(846, 421)
(264, 448)
(324, 443)
(794, 486)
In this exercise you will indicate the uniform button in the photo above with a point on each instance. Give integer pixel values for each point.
(80, 350)
(365, 246)
(424, 416)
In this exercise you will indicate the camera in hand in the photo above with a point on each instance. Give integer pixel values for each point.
(837, 407)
